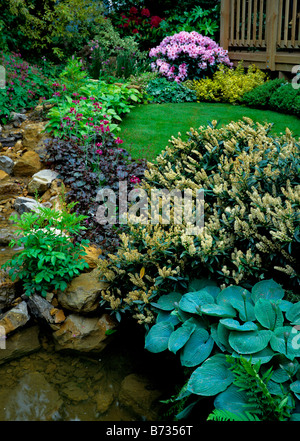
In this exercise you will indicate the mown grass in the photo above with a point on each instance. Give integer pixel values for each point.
(147, 129)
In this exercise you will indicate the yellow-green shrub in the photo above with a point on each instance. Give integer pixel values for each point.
(228, 85)
(252, 224)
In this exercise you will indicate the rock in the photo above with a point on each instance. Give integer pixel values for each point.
(15, 318)
(92, 256)
(137, 395)
(43, 310)
(18, 118)
(28, 164)
(74, 392)
(25, 205)
(4, 177)
(41, 181)
(22, 342)
(33, 134)
(7, 291)
(104, 399)
(33, 399)
(8, 190)
(83, 293)
(84, 334)
(6, 164)
(7, 235)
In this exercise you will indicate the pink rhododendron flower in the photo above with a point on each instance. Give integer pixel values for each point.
(193, 52)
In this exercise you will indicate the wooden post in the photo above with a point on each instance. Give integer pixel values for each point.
(225, 21)
(272, 32)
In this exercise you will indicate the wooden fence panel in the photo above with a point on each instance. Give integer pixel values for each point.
(262, 26)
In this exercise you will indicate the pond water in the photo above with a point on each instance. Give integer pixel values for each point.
(61, 386)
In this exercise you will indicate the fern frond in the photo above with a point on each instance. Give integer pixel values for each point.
(226, 415)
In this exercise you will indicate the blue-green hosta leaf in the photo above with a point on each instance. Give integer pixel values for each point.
(280, 375)
(232, 399)
(295, 387)
(286, 341)
(198, 284)
(268, 314)
(293, 314)
(284, 305)
(191, 301)
(217, 340)
(223, 336)
(167, 302)
(234, 325)
(249, 342)
(295, 417)
(225, 311)
(267, 289)
(166, 316)
(263, 356)
(197, 349)
(212, 377)
(158, 337)
(180, 336)
(239, 299)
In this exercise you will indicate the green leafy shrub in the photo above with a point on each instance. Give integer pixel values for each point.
(286, 99)
(260, 95)
(206, 323)
(204, 21)
(228, 85)
(275, 95)
(251, 217)
(164, 91)
(49, 258)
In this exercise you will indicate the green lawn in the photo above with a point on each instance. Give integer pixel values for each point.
(147, 129)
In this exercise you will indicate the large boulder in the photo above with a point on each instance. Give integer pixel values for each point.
(22, 342)
(28, 164)
(83, 293)
(84, 334)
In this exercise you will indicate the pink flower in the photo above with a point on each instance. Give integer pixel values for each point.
(135, 179)
(118, 140)
(99, 152)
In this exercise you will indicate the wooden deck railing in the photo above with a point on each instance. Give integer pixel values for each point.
(263, 32)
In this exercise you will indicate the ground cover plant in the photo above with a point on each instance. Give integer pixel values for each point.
(163, 91)
(25, 85)
(187, 55)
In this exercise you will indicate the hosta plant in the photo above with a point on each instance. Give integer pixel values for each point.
(207, 323)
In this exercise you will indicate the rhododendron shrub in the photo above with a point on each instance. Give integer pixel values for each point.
(187, 55)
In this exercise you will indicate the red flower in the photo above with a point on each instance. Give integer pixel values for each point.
(133, 10)
(155, 20)
(135, 31)
(145, 12)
